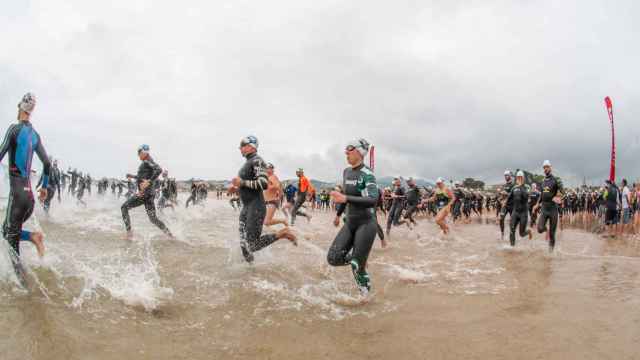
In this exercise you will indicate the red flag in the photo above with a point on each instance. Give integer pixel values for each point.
(372, 158)
(612, 171)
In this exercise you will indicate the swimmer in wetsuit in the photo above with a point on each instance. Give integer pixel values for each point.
(397, 204)
(534, 197)
(550, 199)
(148, 172)
(251, 181)
(54, 184)
(507, 206)
(413, 200)
(303, 187)
(353, 243)
(165, 192)
(20, 142)
(519, 197)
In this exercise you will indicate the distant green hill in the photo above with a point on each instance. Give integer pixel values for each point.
(318, 184)
(386, 181)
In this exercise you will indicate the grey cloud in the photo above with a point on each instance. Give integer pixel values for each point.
(443, 88)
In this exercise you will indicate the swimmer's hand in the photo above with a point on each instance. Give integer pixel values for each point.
(336, 221)
(338, 197)
(144, 185)
(42, 194)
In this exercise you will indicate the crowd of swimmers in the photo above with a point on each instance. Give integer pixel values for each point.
(359, 203)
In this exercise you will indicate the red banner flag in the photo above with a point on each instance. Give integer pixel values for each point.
(612, 171)
(372, 158)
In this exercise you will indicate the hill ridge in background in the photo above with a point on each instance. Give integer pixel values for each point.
(384, 181)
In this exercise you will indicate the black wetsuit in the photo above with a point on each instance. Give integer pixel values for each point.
(193, 199)
(508, 207)
(131, 189)
(87, 183)
(74, 181)
(396, 208)
(611, 200)
(551, 186)
(150, 171)
(81, 187)
(173, 190)
(165, 194)
(120, 186)
(254, 181)
(457, 205)
(54, 184)
(413, 199)
(21, 141)
(297, 206)
(534, 197)
(355, 238)
(519, 197)
(63, 181)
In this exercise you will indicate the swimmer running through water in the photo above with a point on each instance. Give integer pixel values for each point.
(444, 199)
(21, 141)
(273, 197)
(303, 187)
(507, 205)
(251, 181)
(550, 199)
(353, 243)
(519, 198)
(148, 173)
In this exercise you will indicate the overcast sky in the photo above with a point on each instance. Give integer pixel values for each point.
(443, 88)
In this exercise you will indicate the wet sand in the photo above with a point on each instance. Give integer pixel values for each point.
(465, 296)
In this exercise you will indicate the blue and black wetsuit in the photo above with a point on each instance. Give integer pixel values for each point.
(355, 239)
(150, 171)
(21, 141)
(290, 193)
(254, 181)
